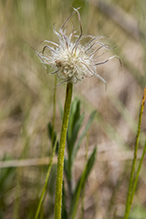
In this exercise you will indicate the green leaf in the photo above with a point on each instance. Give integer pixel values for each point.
(52, 133)
(66, 168)
(71, 141)
(61, 110)
(75, 149)
(6, 178)
(138, 212)
(74, 116)
(75, 123)
(81, 183)
(64, 211)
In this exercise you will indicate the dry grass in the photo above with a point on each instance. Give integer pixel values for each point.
(26, 104)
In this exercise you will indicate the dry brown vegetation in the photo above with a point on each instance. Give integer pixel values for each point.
(26, 105)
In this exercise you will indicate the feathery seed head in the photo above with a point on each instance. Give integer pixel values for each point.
(70, 60)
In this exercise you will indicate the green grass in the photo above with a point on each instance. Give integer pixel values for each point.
(27, 107)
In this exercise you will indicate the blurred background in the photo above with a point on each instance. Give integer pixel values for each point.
(26, 105)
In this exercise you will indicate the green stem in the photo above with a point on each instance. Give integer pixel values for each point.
(130, 189)
(60, 164)
(137, 173)
(46, 183)
(54, 110)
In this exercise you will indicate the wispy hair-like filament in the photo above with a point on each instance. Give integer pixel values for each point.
(68, 58)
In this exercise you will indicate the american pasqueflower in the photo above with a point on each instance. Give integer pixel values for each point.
(70, 60)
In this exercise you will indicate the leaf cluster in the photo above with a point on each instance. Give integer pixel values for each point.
(73, 143)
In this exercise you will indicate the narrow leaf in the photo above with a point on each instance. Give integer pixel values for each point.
(54, 135)
(64, 211)
(74, 153)
(81, 183)
(74, 116)
(71, 141)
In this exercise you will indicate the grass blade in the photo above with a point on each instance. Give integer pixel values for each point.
(81, 183)
(46, 182)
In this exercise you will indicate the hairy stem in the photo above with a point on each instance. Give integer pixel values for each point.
(132, 185)
(60, 164)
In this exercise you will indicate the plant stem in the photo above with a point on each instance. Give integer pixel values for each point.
(60, 164)
(54, 110)
(131, 189)
(46, 183)
(137, 173)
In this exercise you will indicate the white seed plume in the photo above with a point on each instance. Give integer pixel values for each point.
(70, 60)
